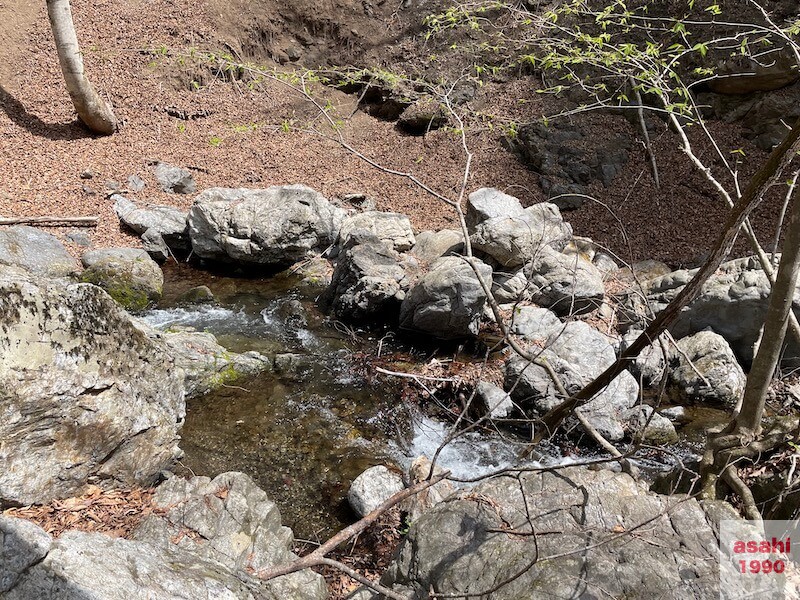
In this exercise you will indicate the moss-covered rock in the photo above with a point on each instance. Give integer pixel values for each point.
(129, 275)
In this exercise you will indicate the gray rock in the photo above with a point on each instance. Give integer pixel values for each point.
(129, 276)
(22, 545)
(372, 488)
(80, 238)
(273, 226)
(707, 371)
(450, 549)
(35, 251)
(516, 240)
(651, 364)
(135, 183)
(206, 364)
(421, 117)
(369, 281)
(489, 203)
(493, 400)
(658, 431)
(392, 228)
(153, 243)
(605, 264)
(229, 522)
(447, 301)
(577, 354)
(568, 285)
(643, 270)
(431, 245)
(168, 222)
(84, 393)
(174, 180)
(733, 303)
(420, 503)
(512, 287)
(200, 294)
(535, 324)
(743, 75)
(675, 414)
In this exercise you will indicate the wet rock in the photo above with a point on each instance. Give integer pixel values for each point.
(372, 488)
(84, 393)
(577, 354)
(489, 203)
(569, 285)
(449, 549)
(392, 228)
(514, 241)
(431, 245)
(129, 276)
(707, 371)
(447, 301)
(651, 428)
(206, 364)
(493, 400)
(174, 180)
(200, 294)
(35, 251)
(369, 281)
(279, 225)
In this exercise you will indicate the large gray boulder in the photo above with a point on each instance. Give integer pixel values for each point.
(514, 241)
(461, 546)
(653, 362)
(35, 251)
(275, 226)
(706, 371)
(512, 286)
(393, 228)
(568, 284)
(369, 281)
(201, 542)
(231, 522)
(733, 303)
(129, 276)
(85, 396)
(577, 354)
(448, 300)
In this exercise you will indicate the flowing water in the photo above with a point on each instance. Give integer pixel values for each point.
(307, 430)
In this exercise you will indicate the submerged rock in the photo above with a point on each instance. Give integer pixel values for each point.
(85, 396)
(129, 276)
(279, 225)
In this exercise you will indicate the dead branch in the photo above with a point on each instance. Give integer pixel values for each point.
(51, 221)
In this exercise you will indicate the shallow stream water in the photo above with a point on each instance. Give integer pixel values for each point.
(307, 430)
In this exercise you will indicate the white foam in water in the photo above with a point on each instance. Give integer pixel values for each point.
(200, 317)
(470, 455)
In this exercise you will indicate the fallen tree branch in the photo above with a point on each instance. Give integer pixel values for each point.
(317, 557)
(51, 221)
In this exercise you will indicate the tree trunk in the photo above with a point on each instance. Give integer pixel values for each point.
(92, 110)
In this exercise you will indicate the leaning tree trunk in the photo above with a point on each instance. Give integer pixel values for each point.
(91, 108)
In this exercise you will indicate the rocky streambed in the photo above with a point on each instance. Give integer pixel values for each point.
(276, 377)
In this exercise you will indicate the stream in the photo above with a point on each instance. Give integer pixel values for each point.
(306, 430)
